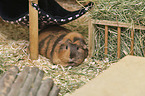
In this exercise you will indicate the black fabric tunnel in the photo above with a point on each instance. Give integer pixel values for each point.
(49, 12)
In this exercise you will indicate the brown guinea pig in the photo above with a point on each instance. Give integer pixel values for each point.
(62, 46)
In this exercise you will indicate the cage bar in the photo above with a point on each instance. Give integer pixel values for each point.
(118, 42)
(132, 41)
(106, 40)
(117, 24)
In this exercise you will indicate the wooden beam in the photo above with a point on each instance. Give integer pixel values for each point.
(29, 80)
(106, 40)
(118, 42)
(117, 24)
(55, 91)
(91, 38)
(132, 41)
(18, 83)
(33, 30)
(46, 84)
(7, 80)
(36, 83)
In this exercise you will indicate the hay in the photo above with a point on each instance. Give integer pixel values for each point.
(15, 53)
(130, 11)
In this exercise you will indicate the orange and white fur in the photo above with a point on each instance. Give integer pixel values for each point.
(62, 46)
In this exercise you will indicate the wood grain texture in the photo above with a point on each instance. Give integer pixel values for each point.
(46, 84)
(106, 40)
(36, 84)
(20, 80)
(7, 80)
(118, 42)
(91, 35)
(29, 81)
(55, 90)
(33, 30)
(117, 24)
(132, 42)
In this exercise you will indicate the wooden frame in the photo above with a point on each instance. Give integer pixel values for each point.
(33, 30)
(106, 23)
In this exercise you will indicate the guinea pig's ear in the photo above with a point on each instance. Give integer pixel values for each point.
(85, 50)
(86, 53)
(84, 46)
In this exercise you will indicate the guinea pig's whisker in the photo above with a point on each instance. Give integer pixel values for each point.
(71, 63)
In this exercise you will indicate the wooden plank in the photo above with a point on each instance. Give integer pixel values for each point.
(29, 82)
(46, 84)
(91, 38)
(36, 84)
(132, 41)
(33, 30)
(1, 75)
(124, 78)
(117, 24)
(55, 90)
(106, 40)
(118, 42)
(7, 80)
(15, 89)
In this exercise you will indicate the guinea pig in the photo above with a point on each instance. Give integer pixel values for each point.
(62, 46)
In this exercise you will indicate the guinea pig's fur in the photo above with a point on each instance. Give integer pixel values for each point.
(62, 46)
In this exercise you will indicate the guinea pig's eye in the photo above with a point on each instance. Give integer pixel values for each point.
(77, 48)
(66, 47)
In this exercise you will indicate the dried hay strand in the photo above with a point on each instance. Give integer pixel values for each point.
(13, 32)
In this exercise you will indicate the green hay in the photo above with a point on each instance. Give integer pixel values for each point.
(127, 11)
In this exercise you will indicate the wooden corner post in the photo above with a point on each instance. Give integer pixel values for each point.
(33, 30)
(91, 38)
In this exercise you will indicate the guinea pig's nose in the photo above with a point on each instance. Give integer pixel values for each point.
(71, 60)
(73, 49)
(72, 55)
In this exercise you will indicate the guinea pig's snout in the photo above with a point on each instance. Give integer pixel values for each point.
(71, 59)
(72, 55)
(71, 62)
(73, 50)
